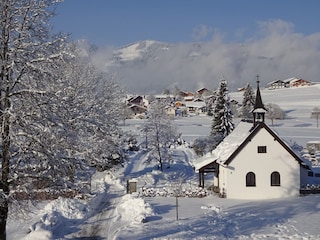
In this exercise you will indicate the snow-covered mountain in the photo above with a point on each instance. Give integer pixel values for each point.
(151, 66)
(143, 50)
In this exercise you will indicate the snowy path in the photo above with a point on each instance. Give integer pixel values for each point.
(101, 220)
(107, 218)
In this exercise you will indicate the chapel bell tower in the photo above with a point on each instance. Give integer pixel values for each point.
(259, 110)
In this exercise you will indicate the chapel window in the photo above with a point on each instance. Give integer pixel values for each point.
(275, 179)
(250, 179)
(262, 149)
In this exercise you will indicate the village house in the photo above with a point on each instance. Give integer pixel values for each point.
(297, 82)
(137, 104)
(277, 84)
(253, 162)
(170, 111)
(195, 107)
(287, 83)
(186, 94)
(135, 100)
(202, 92)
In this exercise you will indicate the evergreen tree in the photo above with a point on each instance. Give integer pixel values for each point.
(222, 124)
(248, 102)
(209, 104)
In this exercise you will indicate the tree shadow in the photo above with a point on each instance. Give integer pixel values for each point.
(88, 238)
(303, 125)
(276, 125)
(243, 219)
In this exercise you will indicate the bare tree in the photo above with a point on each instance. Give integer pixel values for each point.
(162, 134)
(274, 112)
(125, 112)
(315, 113)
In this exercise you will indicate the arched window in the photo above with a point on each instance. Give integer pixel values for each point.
(275, 179)
(250, 179)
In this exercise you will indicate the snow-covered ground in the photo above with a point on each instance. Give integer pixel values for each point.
(110, 213)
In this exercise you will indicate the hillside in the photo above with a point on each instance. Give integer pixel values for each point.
(298, 103)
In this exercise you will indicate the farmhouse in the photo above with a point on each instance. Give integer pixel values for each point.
(276, 84)
(287, 83)
(137, 104)
(253, 162)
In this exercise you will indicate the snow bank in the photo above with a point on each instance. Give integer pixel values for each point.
(39, 235)
(133, 209)
(212, 208)
(57, 213)
(68, 208)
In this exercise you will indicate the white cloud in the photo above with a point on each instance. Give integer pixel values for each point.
(201, 32)
(274, 52)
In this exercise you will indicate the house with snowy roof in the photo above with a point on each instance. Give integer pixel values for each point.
(253, 162)
(196, 106)
(277, 84)
(286, 83)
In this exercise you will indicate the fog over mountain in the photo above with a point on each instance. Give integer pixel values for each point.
(275, 52)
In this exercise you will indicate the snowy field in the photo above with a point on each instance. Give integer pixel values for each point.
(110, 213)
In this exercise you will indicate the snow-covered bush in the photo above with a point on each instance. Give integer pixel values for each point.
(191, 192)
(203, 145)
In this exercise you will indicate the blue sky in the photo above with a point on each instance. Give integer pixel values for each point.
(121, 22)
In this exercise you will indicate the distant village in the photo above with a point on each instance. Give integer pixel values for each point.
(181, 103)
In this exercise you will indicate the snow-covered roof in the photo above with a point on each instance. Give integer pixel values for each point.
(222, 153)
(227, 147)
(195, 104)
(259, 110)
(288, 80)
(188, 98)
(163, 96)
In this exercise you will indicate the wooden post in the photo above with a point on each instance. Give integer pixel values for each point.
(177, 206)
(202, 180)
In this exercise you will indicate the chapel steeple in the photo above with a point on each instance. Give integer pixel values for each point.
(259, 110)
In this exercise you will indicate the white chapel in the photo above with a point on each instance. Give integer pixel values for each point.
(253, 162)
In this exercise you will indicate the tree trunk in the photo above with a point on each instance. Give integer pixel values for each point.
(4, 182)
(3, 217)
(5, 165)
(160, 158)
(5, 119)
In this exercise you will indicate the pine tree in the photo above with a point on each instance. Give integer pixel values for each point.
(248, 102)
(209, 104)
(222, 123)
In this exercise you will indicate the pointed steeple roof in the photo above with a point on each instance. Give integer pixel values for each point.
(259, 110)
(258, 103)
